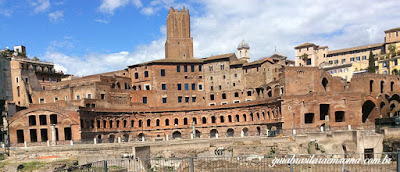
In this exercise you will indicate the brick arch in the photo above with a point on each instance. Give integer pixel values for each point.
(21, 114)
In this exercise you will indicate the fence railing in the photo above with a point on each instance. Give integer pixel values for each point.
(386, 162)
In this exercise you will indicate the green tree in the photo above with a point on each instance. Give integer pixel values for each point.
(371, 65)
(304, 57)
(35, 58)
(392, 50)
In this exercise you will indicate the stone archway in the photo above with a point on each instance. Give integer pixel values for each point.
(245, 131)
(230, 132)
(125, 138)
(367, 109)
(214, 133)
(176, 135)
(111, 138)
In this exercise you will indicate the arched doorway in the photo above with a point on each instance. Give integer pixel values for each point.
(245, 131)
(111, 138)
(367, 108)
(176, 135)
(99, 140)
(125, 138)
(198, 134)
(230, 132)
(214, 133)
(141, 137)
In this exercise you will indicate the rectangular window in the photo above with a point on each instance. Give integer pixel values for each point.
(178, 68)
(41, 100)
(343, 61)
(364, 57)
(193, 86)
(179, 86)
(352, 59)
(200, 68)
(147, 87)
(212, 88)
(222, 66)
(162, 72)
(186, 86)
(163, 86)
(192, 68)
(200, 87)
(358, 58)
(179, 99)
(211, 68)
(146, 74)
(220, 87)
(186, 99)
(144, 100)
(309, 118)
(185, 68)
(212, 97)
(102, 96)
(89, 96)
(193, 99)
(164, 100)
(336, 61)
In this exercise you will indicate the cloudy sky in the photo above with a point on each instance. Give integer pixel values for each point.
(95, 36)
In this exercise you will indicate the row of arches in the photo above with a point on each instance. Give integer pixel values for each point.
(213, 133)
(108, 123)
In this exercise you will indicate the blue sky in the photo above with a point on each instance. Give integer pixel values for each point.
(85, 37)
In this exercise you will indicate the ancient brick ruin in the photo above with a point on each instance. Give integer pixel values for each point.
(186, 97)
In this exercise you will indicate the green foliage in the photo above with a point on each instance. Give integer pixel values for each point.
(392, 50)
(35, 58)
(304, 57)
(371, 64)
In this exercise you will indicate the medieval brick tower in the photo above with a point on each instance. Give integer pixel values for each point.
(179, 44)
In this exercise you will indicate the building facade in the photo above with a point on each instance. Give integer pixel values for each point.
(183, 97)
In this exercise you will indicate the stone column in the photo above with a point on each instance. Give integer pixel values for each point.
(53, 135)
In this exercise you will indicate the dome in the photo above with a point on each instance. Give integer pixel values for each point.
(243, 44)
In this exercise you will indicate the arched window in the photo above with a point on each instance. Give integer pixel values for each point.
(222, 119)
(132, 123)
(229, 118)
(237, 118)
(166, 122)
(185, 121)
(382, 86)
(244, 117)
(194, 120)
(158, 122)
(324, 83)
(176, 121)
(148, 122)
(213, 119)
(204, 120)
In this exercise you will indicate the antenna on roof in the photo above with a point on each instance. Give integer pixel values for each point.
(275, 49)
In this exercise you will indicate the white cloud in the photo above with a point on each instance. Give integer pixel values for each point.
(137, 3)
(108, 6)
(221, 25)
(101, 21)
(56, 16)
(41, 5)
(148, 11)
(95, 63)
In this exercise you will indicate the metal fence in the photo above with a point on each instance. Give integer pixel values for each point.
(304, 163)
